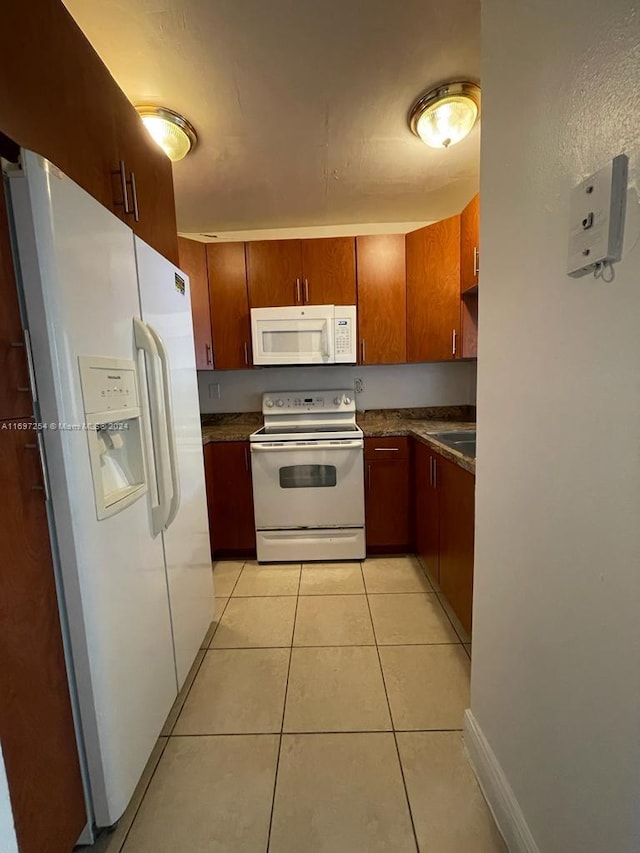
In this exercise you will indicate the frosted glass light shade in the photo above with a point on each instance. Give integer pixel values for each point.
(171, 131)
(446, 115)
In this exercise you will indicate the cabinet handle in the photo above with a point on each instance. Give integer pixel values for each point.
(209, 354)
(298, 296)
(454, 342)
(431, 470)
(246, 459)
(123, 183)
(134, 193)
(387, 449)
(246, 353)
(363, 351)
(306, 291)
(368, 477)
(476, 260)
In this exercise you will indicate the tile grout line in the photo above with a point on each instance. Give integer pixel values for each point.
(228, 597)
(284, 709)
(315, 732)
(393, 729)
(144, 794)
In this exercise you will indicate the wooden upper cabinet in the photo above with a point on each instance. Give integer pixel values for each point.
(329, 271)
(193, 261)
(382, 299)
(15, 395)
(470, 244)
(274, 272)
(229, 302)
(433, 291)
(302, 272)
(149, 183)
(64, 104)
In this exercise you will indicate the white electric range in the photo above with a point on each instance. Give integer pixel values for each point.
(308, 478)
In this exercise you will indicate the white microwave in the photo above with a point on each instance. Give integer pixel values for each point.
(309, 334)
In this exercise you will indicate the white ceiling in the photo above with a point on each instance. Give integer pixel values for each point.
(300, 105)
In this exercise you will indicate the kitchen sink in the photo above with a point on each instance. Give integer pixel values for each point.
(462, 440)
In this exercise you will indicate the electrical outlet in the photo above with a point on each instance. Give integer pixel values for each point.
(358, 385)
(214, 391)
(597, 218)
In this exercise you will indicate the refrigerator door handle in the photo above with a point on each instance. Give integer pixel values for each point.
(160, 455)
(170, 421)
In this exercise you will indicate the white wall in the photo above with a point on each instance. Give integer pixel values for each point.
(556, 655)
(385, 386)
(8, 843)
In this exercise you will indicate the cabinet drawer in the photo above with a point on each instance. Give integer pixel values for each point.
(389, 447)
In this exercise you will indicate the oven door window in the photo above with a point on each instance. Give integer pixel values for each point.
(308, 476)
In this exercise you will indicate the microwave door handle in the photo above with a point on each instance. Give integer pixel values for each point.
(328, 339)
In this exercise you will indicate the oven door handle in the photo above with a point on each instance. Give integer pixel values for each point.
(315, 445)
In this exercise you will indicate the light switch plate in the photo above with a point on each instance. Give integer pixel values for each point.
(597, 217)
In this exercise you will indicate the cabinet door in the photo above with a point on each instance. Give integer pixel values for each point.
(193, 260)
(470, 244)
(457, 513)
(15, 396)
(329, 271)
(469, 324)
(387, 494)
(382, 299)
(426, 509)
(433, 291)
(230, 498)
(274, 272)
(229, 301)
(150, 188)
(38, 736)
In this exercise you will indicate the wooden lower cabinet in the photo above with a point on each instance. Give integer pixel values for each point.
(427, 510)
(456, 490)
(230, 498)
(387, 494)
(444, 527)
(36, 723)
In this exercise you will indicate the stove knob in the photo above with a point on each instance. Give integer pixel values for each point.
(269, 404)
(280, 403)
(347, 400)
(337, 400)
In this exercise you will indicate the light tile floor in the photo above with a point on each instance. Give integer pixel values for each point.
(323, 715)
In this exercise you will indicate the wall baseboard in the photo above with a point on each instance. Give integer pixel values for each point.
(496, 790)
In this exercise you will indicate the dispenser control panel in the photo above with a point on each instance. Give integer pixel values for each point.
(108, 384)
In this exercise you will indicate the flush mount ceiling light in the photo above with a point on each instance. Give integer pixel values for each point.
(445, 115)
(171, 131)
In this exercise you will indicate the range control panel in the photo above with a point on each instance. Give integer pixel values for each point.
(284, 402)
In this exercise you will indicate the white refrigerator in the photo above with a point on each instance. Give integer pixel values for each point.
(109, 323)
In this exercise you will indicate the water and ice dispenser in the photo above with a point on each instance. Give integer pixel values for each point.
(114, 431)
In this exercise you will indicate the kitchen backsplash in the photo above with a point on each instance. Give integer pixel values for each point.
(383, 386)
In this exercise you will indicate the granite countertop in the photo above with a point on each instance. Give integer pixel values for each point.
(417, 423)
(236, 426)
